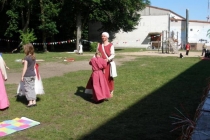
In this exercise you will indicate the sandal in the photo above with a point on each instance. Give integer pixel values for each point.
(30, 105)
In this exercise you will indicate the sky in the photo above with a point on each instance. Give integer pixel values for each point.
(198, 9)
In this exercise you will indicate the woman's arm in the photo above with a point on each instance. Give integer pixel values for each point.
(24, 69)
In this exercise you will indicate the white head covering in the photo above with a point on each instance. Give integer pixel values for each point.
(106, 34)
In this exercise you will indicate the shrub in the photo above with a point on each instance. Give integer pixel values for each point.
(93, 46)
(27, 37)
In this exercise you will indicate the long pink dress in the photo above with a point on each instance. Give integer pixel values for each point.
(109, 79)
(4, 102)
(100, 86)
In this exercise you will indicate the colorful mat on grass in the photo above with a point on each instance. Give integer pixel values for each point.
(11, 126)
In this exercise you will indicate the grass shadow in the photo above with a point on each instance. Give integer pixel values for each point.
(81, 93)
(148, 118)
(23, 99)
(87, 97)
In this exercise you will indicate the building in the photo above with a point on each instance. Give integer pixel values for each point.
(156, 26)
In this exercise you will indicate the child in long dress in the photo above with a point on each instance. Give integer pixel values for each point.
(38, 84)
(99, 85)
(4, 102)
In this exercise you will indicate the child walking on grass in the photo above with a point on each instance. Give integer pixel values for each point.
(99, 85)
(28, 74)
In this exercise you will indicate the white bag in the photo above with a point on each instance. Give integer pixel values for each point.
(113, 70)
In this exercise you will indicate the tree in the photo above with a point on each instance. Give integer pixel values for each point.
(49, 10)
(208, 33)
(114, 15)
(20, 12)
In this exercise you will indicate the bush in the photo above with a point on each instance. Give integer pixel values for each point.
(93, 46)
(27, 37)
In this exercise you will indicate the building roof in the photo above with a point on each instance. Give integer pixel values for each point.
(199, 21)
(165, 10)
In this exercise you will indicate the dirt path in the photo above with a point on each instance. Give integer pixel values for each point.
(51, 69)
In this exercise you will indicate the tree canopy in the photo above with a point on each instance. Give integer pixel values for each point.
(66, 19)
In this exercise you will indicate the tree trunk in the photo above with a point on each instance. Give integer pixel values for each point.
(27, 19)
(25, 24)
(44, 37)
(43, 23)
(79, 30)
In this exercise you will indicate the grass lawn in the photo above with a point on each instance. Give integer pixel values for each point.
(146, 92)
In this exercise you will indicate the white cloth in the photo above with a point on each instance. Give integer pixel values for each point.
(80, 49)
(38, 87)
(113, 70)
(106, 34)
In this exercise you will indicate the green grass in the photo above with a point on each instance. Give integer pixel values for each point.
(146, 92)
(47, 57)
(119, 50)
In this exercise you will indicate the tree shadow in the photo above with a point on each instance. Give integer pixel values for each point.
(117, 49)
(148, 118)
(23, 99)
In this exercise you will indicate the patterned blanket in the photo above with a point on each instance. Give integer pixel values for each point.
(10, 126)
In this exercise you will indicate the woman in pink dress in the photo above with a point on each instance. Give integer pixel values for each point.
(4, 102)
(108, 53)
(100, 86)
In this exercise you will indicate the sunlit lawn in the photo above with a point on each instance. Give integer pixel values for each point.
(146, 92)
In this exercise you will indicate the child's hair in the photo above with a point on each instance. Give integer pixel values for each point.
(29, 50)
(98, 53)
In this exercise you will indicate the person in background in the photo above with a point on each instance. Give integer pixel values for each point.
(203, 50)
(108, 53)
(80, 49)
(187, 48)
(28, 74)
(4, 102)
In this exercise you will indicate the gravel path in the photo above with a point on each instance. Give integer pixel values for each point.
(51, 69)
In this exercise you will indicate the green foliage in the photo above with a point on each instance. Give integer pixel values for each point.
(49, 11)
(93, 46)
(52, 16)
(13, 23)
(124, 16)
(27, 37)
(208, 33)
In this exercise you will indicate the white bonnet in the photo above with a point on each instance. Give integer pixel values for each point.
(106, 34)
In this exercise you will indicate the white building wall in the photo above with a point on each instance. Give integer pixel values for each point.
(155, 20)
(179, 29)
(139, 36)
(197, 31)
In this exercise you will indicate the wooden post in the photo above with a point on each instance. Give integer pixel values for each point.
(162, 39)
(166, 41)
